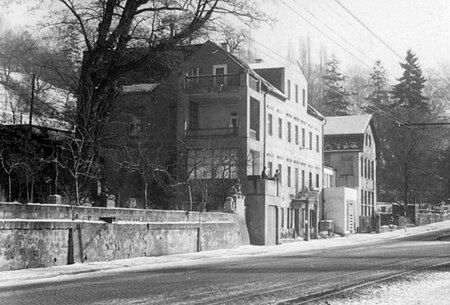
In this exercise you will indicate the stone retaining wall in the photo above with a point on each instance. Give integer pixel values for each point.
(33, 241)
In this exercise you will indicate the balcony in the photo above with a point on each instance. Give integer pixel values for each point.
(213, 83)
(228, 131)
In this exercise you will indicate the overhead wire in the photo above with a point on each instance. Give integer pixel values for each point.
(283, 60)
(379, 39)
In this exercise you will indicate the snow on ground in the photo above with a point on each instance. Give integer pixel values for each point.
(424, 288)
(12, 107)
(28, 276)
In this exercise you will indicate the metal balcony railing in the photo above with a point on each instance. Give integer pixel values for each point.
(199, 132)
(210, 81)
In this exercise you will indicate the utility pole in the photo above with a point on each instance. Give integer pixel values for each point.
(32, 100)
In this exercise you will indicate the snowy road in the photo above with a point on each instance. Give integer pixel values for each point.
(269, 278)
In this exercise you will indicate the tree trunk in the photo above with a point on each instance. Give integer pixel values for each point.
(32, 190)
(77, 192)
(145, 193)
(9, 187)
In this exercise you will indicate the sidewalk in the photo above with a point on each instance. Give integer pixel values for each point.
(58, 273)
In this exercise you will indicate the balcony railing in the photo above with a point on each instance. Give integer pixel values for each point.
(210, 81)
(212, 132)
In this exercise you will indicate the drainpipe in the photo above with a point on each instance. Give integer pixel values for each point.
(323, 169)
(265, 127)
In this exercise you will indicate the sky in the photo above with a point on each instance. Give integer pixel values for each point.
(382, 29)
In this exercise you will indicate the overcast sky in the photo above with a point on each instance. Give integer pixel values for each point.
(422, 25)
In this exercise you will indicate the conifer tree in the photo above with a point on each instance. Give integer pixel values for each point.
(335, 101)
(378, 82)
(408, 91)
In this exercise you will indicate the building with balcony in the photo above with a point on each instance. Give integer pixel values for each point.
(236, 120)
(350, 147)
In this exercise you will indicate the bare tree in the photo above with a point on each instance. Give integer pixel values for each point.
(109, 28)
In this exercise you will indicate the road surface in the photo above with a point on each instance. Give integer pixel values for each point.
(291, 277)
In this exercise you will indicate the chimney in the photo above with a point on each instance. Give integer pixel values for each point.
(224, 46)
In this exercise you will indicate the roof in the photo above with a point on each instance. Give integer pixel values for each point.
(350, 124)
(248, 68)
(313, 112)
(140, 88)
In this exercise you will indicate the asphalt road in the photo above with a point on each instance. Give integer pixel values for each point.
(255, 279)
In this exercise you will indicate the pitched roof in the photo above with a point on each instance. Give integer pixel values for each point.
(350, 124)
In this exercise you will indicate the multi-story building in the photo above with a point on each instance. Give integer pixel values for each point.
(350, 147)
(236, 120)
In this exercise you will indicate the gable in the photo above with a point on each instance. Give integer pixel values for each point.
(208, 55)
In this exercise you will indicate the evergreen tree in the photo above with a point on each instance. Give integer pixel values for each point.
(408, 91)
(335, 101)
(378, 98)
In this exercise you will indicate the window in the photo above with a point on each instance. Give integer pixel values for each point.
(296, 134)
(304, 97)
(280, 172)
(234, 120)
(282, 217)
(270, 169)
(270, 124)
(317, 143)
(303, 137)
(289, 131)
(280, 128)
(362, 196)
(219, 72)
(310, 140)
(373, 170)
(193, 115)
(212, 163)
(288, 176)
(289, 89)
(134, 126)
(362, 167)
(365, 168)
(296, 93)
(296, 180)
(303, 179)
(317, 181)
(254, 118)
(252, 166)
(310, 181)
(195, 72)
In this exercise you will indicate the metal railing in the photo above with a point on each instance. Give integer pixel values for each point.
(198, 132)
(209, 81)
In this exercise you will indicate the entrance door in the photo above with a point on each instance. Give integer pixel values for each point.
(272, 225)
(297, 225)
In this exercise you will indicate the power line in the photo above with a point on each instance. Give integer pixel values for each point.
(414, 94)
(278, 58)
(378, 38)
